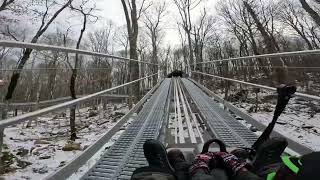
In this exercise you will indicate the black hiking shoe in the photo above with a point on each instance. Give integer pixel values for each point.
(156, 155)
(175, 156)
(179, 163)
(268, 156)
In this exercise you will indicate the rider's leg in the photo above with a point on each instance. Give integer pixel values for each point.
(268, 158)
(179, 163)
(159, 167)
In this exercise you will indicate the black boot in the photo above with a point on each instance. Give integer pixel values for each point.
(159, 166)
(156, 155)
(268, 156)
(179, 163)
(175, 156)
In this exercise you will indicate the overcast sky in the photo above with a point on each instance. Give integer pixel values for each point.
(112, 9)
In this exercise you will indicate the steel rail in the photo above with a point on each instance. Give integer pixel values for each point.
(19, 119)
(289, 67)
(284, 54)
(221, 124)
(180, 125)
(295, 146)
(301, 95)
(195, 121)
(40, 47)
(52, 69)
(175, 113)
(186, 115)
(70, 168)
(59, 100)
(126, 154)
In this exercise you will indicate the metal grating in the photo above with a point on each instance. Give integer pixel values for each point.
(127, 154)
(223, 125)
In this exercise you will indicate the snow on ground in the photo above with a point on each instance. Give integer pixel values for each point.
(94, 159)
(299, 122)
(42, 144)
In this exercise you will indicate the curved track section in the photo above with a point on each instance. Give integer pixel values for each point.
(127, 153)
(221, 124)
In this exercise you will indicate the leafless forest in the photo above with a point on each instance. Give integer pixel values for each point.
(203, 32)
(231, 29)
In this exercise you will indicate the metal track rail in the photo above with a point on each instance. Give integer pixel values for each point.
(47, 103)
(127, 153)
(186, 115)
(177, 104)
(221, 124)
(298, 148)
(19, 119)
(301, 95)
(195, 121)
(275, 55)
(42, 47)
(67, 170)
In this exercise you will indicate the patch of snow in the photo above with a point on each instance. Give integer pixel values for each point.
(295, 122)
(53, 130)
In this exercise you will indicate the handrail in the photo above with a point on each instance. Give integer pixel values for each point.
(71, 167)
(284, 54)
(305, 96)
(40, 47)
(19, 119)
(57, 100)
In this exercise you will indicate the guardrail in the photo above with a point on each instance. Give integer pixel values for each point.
(304, 96)
(70, 168)
(298, 148)
(275, 55)
(19, 119)
(40, 47)
(56, 101)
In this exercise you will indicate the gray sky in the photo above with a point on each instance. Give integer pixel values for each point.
(112, 9)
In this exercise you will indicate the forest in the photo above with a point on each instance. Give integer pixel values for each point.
(188, 35)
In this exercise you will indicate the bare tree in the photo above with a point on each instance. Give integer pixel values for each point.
(86, 14)
(241, 25)
(294, 17)
(133, 14)
(280, 74)
(27, 52)
(201, 32)
(314, 15)
(101, 41)
(183, 50)
(54, 59)
(167, 60)
(185, 7)
(152, 22)
(5, 4)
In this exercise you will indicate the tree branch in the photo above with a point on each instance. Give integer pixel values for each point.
(5, 3)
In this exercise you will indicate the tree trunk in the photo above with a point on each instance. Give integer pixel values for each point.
(133, 30)
(26, 55)
(134, 70)
(73, 135)
(155, 61)
(191, 61)
(5, 4)
(73, 79)
(279, 72)
(314, 15)
(16, 74)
